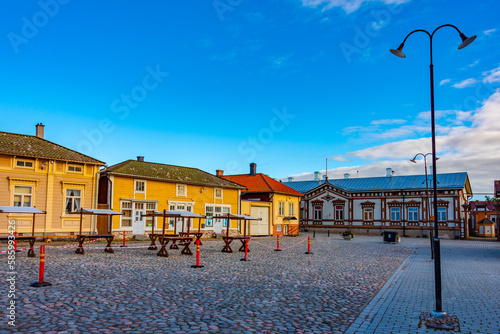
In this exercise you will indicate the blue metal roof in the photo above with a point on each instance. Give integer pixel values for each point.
(445, 181)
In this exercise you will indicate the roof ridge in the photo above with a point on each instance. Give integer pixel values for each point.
(264, 178)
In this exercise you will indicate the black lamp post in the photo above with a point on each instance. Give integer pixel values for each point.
(438, 312)
(427, 194)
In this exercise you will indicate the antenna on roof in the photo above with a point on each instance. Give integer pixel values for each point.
(326, 170)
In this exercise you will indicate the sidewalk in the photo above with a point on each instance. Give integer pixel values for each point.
(471, 283)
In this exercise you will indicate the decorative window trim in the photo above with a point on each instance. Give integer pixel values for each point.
(368, 208)
(413, 203)
(317, 203)
(177, 194)
(31, 194)
(442, 202)
(221, 193)
(394, 203)
(22, 181)
(281, 208)
(409, 216)
(390, 213)
(136, 181)
(75, 185)
(368, 204)
(24, 161)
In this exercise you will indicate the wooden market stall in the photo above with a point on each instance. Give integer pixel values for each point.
(229, 239)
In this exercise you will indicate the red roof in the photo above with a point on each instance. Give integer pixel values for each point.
(261, 183)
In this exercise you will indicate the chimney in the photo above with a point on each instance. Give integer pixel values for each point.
(140, 158)
(253, 169)
(346, 175)
(39, 130)
(219, 172)
(290, 179)
(389, 172)
(316, 176)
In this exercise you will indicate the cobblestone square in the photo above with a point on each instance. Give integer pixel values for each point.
(358, 286)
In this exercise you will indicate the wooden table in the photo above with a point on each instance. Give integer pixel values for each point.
(227, 240)
(196, 234)
(164, 240)
(81, 238)
(30, 239)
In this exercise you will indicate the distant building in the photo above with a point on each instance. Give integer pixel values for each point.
(39, 173)
(497, 188)
(137, 187)
(274, 202)
(375, 204)
(484, 218)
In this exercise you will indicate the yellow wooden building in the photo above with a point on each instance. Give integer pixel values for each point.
(137, 187)
(266, 198)
(39, 173)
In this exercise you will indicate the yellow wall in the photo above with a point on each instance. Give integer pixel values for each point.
(164, 193)
(49, 183)
(277, 219)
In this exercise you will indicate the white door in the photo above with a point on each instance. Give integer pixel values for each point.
(218, 222)
(259, 227)
(139, 226)
(488, 230)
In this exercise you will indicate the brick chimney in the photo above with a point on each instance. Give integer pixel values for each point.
(39, 130)
(219, 172)
(253, 169)
(140, 158)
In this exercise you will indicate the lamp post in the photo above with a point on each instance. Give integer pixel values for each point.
(438, 312)
(427, 194)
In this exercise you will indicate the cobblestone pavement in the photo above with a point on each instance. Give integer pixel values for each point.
(470, 279)
(135, 291)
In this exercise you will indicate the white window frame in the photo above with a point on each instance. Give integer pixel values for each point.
(339, 211)
(127, 218)
(178, 193)
(442, 213)
(278, 228)
(281, 208)
(22, 195)
(291, 209)
(24, 162)
(136, 182)
(215, 193)
(224, 208)
(395, 214)
(178, 206)
(75, 167)
(72, 198)
(413, 214)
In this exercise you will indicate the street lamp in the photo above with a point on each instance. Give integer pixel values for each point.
(438, 312)
(427, 194)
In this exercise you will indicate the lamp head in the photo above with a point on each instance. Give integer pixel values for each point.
(466, 40)
(399, 51)
(413, 160)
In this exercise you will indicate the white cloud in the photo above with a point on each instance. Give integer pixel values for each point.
(466, 83)
(489, 32)
(337, 157)
(443, 82)
(492, 76)
(348, 6)
(388, 121)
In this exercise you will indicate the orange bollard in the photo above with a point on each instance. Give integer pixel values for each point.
(309, 246)
(197, 265)
(41, 273)
(278, 241)
(15, 243)
(246, 250)
(123, 240)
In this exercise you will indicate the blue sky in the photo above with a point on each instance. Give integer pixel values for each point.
(285, 84)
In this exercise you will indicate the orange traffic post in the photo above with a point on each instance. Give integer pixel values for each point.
(246, 250)
(197, 265)
(41, 273)
(309, 246)
(15, 243)
(278, 241)
(123, 240)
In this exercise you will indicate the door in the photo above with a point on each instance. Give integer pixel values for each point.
(217, 222)
(139, 226)
(259, 227)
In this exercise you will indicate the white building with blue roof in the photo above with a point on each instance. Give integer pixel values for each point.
(376, 204)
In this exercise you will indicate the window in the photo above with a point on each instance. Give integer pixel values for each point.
(278, 228)
(281, 208)
(368, 214)
(209, 212)
(181, 190)
(395, 214)
(318, 212)
(22, 196)
(24, 163)
(218, 193)
(413, 214)
(442, 215)
(73, 200)
(126, 218)
(150, 208)
(291, 210)
(140, 186)
(339, 212)
(72, 168)
(225, 210)
(216, 210)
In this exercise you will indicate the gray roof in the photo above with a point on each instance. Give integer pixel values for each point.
(407, 182)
